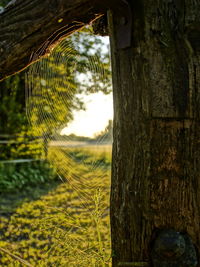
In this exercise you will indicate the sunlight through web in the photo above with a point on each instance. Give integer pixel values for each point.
(69, 104)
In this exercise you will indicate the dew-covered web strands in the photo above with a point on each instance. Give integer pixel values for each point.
(69, 104)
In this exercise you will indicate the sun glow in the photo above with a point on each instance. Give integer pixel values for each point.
(99, 110)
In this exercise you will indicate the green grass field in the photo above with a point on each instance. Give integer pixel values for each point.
(65, 222)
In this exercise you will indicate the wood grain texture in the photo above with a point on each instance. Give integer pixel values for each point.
(156, 150)
(29, 29)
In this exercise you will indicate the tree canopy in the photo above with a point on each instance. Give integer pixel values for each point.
(52, 86)
(76, 67)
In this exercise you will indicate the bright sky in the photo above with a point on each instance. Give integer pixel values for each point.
(99, 109)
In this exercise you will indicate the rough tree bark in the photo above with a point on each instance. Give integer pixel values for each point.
(156, 151)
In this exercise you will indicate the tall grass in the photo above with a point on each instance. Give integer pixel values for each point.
(69, 225)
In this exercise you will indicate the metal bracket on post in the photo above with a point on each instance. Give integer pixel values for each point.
(124, 26)
(173, 249)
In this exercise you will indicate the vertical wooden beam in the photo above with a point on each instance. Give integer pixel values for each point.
(156, 151)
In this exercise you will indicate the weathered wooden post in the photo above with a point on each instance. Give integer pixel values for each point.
(156, 151)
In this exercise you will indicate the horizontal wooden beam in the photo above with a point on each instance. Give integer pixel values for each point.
(29, 29)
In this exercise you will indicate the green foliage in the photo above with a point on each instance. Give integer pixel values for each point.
(14, 129)
(77, 66)
(59, 228)
(17, 176)
(52, 94)
(53, 98)
(4, 2)
(93, 61)
(16, 136)
(22, 146)
(86, 156)
(12, 108)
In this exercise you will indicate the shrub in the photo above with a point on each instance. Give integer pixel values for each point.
(15, 176)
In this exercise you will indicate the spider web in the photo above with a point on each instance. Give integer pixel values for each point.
(55, 89)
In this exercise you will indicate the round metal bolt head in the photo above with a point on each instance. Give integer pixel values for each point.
(170, 244)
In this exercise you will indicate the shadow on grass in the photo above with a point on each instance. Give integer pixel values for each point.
(10, 201)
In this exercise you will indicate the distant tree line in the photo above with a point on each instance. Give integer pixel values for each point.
(104, 136)
(107, 134)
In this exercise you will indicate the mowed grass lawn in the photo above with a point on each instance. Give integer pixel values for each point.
(64, 223)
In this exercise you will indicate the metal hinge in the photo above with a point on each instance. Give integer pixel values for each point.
(124, 25)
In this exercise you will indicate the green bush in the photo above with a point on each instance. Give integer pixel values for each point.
(15, 176)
